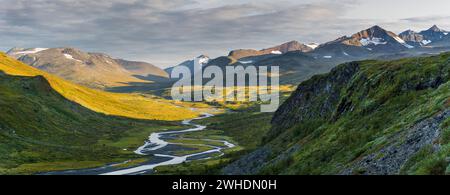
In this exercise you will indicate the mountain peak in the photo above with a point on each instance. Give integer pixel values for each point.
(15, 49)
(408, 32)
(203, 59)
(287, 47)
(18, 52)
(376, 36)
(376, 28)
(275, 50)
(435, 28)
(203, 56)
(292, 42)
(313, 45)
(413, 37)
(372, 32)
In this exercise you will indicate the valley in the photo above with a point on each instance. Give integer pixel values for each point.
(165, 153)
(371, 103)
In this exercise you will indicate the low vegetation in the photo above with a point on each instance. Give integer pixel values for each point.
(40, 130)
(383, 99)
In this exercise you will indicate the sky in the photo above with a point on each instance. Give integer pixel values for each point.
(168, 32)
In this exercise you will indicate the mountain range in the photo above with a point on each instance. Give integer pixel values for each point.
(276, 50)
(424, 38)
(299, 61)
(374, 41)
(95, 70)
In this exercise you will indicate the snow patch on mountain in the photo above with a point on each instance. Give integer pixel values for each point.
(30, 51)
(203, 60)
(276, 52)
(70, 57)
(373, 40)
(312, 45)
(401, 41)
(426, 42)
(246, 62)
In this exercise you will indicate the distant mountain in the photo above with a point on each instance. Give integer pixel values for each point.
(202, 59)
(19, 52)
(371, 41)
(374, 42)
(142, 68)
(298, 61)
(433, 34)
(423, 38)
(95, 70)
(313, 45)
(276, 50)
(413, 38)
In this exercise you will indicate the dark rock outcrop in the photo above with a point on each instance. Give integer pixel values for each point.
(390, 159)
(249, 164)
(316, 98)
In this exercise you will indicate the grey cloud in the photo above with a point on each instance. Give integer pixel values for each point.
(429, 20)
(166, 32)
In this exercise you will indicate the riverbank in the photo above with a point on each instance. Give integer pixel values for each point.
(161, 152)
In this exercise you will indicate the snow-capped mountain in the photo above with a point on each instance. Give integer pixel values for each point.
(413, 38)
(94, 70)
(423, 38)
(19, 52)
(313, 45)
(276, 50)
(433, 34)
(377, 38)
(300, 61)
(202, 60)
(372, 41)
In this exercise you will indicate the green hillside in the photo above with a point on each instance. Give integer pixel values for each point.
(47, 123)
(126, 105)
(369, 117)
(40, 130)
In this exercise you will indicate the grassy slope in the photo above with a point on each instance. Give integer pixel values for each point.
(127, 105)
(40, 130)
(384, 102)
